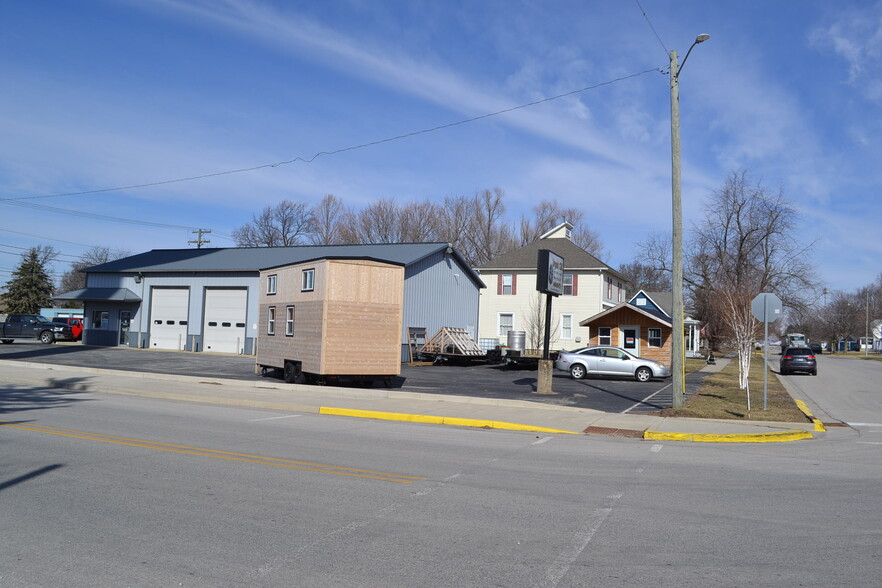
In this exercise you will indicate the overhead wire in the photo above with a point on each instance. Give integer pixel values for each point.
(307, 160)
(649, 22)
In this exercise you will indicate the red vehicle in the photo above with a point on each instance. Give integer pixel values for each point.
(76, 326)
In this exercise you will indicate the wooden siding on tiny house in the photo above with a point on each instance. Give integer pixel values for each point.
(348, 324)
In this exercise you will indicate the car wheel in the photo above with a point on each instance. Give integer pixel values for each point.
(643, 374)
(577, 370)
(814, 372)
(46, 337)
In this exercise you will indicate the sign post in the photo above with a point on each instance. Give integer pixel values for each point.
(549, 280)
(766, 307)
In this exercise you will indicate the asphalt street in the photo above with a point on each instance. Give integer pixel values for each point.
(482, 380)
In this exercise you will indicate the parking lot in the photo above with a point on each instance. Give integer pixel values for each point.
(481, 380)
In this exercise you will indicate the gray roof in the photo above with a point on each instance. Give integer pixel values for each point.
(114, 294)
(525, 258)
(253, 259)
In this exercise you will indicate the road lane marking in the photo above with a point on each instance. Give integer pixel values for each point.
(656, 448)
(564, 561)
(287, 416)
(216, 454)
(542, 440)
(864, 424)
(646, 400)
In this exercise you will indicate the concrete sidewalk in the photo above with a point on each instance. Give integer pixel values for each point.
(397, 405)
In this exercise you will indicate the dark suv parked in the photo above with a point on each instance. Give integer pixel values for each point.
(798, 359)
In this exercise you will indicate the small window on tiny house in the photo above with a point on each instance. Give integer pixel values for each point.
(307, 280)
(271, 281)
(271, 321)
(289, 321)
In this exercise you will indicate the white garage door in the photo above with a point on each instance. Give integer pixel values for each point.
(168, 318)
(224, 328)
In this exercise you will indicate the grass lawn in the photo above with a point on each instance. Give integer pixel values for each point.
(720, 397)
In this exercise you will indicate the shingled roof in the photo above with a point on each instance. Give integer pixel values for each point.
(525, 258)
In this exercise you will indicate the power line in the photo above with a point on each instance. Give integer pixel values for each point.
(646, 16)
(307, 160)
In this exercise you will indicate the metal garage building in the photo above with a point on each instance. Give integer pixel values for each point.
(207, 299)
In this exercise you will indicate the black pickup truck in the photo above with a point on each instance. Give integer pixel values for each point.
(33, 326)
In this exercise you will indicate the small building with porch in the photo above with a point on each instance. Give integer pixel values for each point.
(642, 326)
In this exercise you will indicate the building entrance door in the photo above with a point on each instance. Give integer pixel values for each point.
(125, 323)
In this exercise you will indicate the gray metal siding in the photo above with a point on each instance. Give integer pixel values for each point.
(438, 293)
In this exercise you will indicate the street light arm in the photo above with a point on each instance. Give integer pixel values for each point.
(699, 39)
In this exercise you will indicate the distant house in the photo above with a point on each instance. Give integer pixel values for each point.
(207, 299)
(511, 302)
(642, 326)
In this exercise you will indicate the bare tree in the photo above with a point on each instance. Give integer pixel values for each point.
(377, 223)
(417, 222)
(746, 245)
(75, 279)
(329, 216)
(646, 277)
(548, 214)
(488, 235)
(453, 219)
(285, 224)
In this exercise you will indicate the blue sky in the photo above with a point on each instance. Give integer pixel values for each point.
(99, 95)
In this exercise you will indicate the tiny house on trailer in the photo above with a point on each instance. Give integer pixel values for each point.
(330, 319)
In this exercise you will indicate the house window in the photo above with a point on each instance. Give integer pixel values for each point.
(568, 285)
(271, 321)
(506, 284)
(271, 281)
(566, 326)
(289, 321)
(654, 338)
(609, 288)
(604, 335)
(621, 291)
(307, 280)
(505, 321)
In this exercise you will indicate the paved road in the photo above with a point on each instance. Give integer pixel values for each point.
(120, 491)
(608, 395)
(847, 389)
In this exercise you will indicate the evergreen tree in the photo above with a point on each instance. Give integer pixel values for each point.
(30, 288)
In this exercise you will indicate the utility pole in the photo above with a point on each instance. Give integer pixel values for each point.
(199, 241)
(678, 372)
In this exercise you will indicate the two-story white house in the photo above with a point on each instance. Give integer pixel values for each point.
(511, 303)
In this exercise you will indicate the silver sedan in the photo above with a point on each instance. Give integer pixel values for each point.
(609, 361)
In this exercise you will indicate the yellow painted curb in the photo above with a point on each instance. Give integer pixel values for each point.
(732, 438)
(819, 426)
(436, 420)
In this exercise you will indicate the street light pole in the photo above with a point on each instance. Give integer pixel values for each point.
(677, 349)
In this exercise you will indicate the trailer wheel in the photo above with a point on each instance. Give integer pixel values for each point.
(7, 341)
(292, 372)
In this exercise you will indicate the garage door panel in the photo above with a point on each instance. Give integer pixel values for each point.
(225, 313)
(169, 308)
